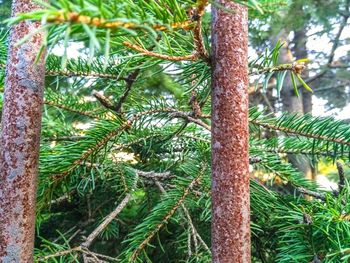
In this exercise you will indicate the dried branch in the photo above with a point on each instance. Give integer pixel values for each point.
(154, 175)
(104, 101)
(129, 83)
(312, 193)
(191, 119)
(341, 174)
(106, 221)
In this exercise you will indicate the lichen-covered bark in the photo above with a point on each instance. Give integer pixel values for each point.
(230, 160)
(19, 140)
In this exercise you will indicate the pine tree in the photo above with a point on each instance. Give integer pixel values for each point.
(134, 184)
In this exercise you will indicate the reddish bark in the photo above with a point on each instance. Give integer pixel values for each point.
(230, 160)
(19, 141)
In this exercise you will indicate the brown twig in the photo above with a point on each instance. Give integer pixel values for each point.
(189, 219)
(157, 55)
(197, 30)
(83, 113)
(129, 83)
(106, 221)
(186, 192)
(71, 74)
(320, 196)
(341, 174)
(104, 101)
(76, 18)
(191, 119)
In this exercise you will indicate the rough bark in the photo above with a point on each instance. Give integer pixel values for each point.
(230, 161)
(19, 140)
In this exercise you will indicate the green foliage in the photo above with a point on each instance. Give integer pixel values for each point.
(155, 148)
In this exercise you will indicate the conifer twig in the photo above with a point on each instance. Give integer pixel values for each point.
(157, 55)
(83, 113)
(104, 101)
(71, 74)
(76, 18)
(312, 193)
(341, 174)
(186, 192)
(300, 133)
(197, 30)
(129, 83)
(106, 221)
(189, 219)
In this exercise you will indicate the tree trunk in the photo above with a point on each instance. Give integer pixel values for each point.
(290, 102)
(19, 140)
(230, 174)
(300, 51)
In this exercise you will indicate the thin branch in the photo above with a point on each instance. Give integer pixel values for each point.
(337, 37)
(296, 67)
(129, 83)
(312, 193)
(83, 113)
(194, 182)
(191, 119)
(76, 18)
(104, 101)
(341, 174)
(189, 219)
(298, 133)
(71, 74)
(64, 138)
(157, 55)
(106, 221)
(60, 253)
(197, 30)
(154, 175)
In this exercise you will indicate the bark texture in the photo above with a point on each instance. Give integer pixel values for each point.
(19, 140)
(230, 160)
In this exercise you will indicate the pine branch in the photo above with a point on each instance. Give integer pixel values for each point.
(106, 221)
(189, 220)
(63, 107)
(296, 67)
(197, 30)
(90, 74)
(76, 18)
(170, 213)
(341, 174)
(129, 83)
(157, 55)
(312, 193)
